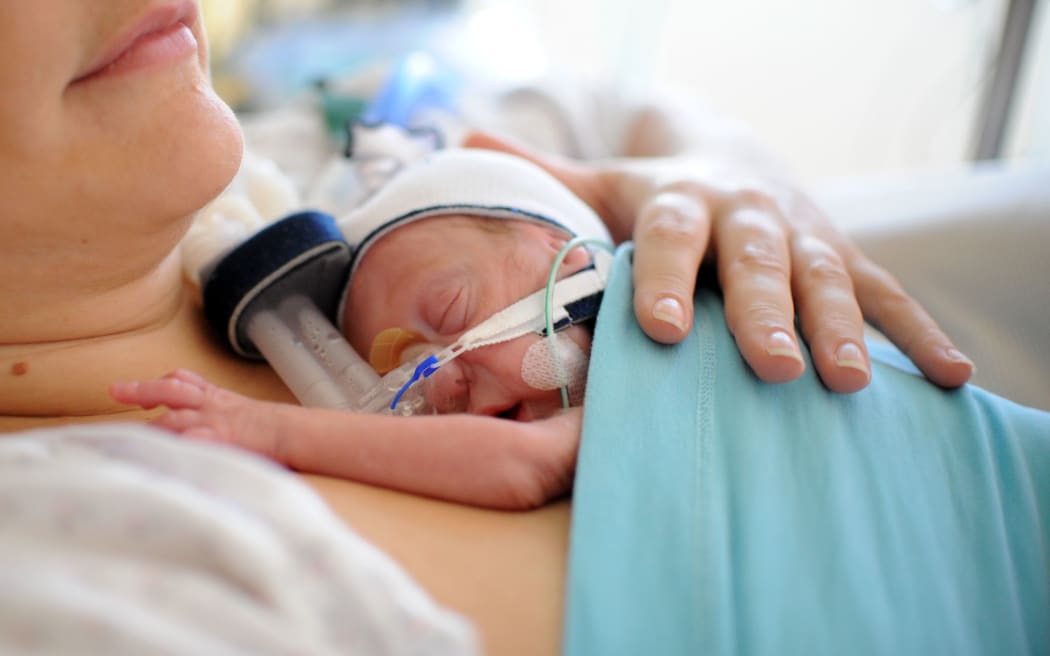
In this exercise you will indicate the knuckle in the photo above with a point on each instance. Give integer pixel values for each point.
(764, 314)
(672, 217)
(831, 328)
(669, 226)
(754, 224)
(826, 270)
(758, 257)
(689, 187)
(755, 197)
(662, 282)
(694, 189)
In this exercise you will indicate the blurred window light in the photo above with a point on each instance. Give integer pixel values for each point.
(835, 86)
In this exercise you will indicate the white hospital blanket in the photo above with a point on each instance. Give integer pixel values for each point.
(116, 539)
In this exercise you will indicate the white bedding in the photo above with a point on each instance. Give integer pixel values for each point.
(117, 539)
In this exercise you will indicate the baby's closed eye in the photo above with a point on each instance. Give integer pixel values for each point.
(447, 307)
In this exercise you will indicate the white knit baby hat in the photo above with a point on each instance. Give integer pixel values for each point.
(468, 181)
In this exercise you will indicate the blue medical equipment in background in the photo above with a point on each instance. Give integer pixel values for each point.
(418, 82)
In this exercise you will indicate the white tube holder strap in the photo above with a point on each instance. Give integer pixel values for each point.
(576, 299)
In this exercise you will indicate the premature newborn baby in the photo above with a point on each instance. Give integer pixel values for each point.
(450, 241)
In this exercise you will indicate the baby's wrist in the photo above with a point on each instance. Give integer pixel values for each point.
(280, 446)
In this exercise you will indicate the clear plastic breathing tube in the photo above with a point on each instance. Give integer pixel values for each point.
(310, 355)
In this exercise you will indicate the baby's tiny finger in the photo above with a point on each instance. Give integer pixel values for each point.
(170, 392)
(671, 237)
(190, 377)
(178, 421)
(126, 392)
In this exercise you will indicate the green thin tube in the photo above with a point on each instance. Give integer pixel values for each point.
(549, 297)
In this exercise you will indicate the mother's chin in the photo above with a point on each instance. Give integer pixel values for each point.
(152, 139)
(206, 155)
(198, 154)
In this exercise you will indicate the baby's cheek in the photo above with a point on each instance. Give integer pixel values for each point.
(582, 337)
(512, 361)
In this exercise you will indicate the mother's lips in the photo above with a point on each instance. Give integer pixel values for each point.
(163, 32)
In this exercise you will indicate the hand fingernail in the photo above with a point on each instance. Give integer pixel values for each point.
(781, 343)
(849, 355)
(955, 355)
(670, 311)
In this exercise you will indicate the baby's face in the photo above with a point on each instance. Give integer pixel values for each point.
(440, 277)
(107, 116)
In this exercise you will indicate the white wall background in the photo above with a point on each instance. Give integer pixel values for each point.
(1030, 133)
(836, 87)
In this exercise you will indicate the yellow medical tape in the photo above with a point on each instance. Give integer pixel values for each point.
(388, 346)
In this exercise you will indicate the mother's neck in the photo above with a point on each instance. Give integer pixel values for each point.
(74, 320)
(65, 343)
(72, 297)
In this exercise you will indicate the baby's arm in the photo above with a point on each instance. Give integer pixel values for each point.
(484, 461)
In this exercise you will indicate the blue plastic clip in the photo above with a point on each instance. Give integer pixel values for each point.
(424, 370)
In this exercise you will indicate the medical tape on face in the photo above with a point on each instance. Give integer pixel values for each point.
(392, 346)
(520, 318)
(555, 362)
(527, 315)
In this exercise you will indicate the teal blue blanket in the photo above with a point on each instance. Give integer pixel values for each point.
(714, 514)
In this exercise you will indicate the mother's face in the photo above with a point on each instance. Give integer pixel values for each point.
(107, 116)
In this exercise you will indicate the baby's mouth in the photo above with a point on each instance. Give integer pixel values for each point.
(512, 412)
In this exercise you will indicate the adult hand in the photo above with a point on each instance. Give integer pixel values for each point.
(778, 257)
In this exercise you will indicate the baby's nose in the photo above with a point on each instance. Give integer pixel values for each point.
(446, 390)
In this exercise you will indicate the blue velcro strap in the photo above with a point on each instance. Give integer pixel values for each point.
(304, 253)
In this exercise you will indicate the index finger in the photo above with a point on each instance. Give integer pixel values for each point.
(671, 236)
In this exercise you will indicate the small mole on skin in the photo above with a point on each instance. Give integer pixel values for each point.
(20, 369)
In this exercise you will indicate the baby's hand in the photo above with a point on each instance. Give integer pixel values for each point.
(203, 411)
(555, 442)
